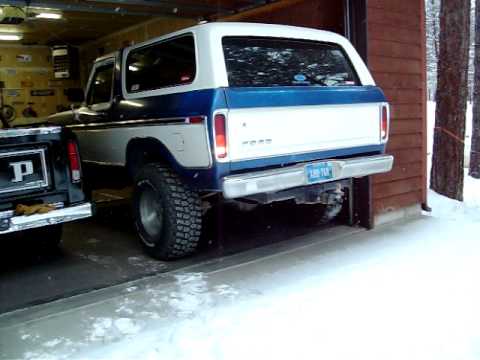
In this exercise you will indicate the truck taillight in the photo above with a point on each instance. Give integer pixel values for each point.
(74, 160)
(384, 122)
(220, 136)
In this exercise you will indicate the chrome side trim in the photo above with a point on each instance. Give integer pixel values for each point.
(24, 222)
(9, 133)
(43, 184)
(136, 122)
(236, 186)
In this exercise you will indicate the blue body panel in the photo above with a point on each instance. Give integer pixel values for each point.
(238, 98)
(205, 102)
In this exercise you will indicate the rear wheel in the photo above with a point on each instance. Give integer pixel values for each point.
(167, 213)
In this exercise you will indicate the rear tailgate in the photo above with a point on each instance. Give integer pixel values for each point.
(284, 121)
(24, 162)
(294, 96)
(34, 168)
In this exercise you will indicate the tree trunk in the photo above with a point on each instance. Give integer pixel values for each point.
(474, 170)
(452, 91)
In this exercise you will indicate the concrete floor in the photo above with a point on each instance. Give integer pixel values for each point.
(104, 251)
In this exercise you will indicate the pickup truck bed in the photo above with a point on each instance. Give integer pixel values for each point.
(37, 174)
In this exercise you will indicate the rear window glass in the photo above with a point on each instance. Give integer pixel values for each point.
(159, 65)
(265, 62)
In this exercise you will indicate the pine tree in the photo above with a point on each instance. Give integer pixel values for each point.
(474, 170)
(452, 91)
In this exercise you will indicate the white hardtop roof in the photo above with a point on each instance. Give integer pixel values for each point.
(210, 60)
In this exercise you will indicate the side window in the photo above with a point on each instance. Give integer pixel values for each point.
(101, 86)
(160, 65)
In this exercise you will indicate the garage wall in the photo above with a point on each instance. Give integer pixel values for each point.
(320, 14)
(396, 56)
(24, 69)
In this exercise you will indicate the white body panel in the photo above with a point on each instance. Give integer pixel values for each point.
(188, 144)
(264, 132)
(211, 69)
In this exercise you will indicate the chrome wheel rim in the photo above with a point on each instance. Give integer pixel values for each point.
(151, 213)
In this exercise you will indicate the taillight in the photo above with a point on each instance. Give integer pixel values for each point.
(195, 120)
(384, 123)
(220, 136)
(74, 160)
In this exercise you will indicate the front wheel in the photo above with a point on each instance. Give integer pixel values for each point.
(167, 213)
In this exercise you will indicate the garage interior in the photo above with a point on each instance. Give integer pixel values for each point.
(104, 251)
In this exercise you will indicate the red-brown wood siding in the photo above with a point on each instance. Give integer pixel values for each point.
(396, 57)
(320, 14)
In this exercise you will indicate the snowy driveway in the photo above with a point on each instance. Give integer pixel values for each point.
(408, 291)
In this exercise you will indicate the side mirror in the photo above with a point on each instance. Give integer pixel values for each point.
(75, 95)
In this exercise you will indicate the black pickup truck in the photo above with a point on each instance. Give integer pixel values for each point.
(40, 182)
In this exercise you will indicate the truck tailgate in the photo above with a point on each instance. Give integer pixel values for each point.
(274, 126)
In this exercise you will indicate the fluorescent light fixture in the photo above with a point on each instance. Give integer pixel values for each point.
(133, 68)
(11, 37)
(48, 15)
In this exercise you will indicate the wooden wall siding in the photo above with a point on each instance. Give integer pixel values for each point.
(396, 57)
(320, 14)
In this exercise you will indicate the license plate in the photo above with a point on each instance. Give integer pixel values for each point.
(319, 172)
(22, 170)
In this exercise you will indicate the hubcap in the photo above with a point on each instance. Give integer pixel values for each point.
(151, 213)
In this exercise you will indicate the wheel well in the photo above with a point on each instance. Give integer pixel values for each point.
(144, 151)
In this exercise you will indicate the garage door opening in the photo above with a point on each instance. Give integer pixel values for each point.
(104, 251)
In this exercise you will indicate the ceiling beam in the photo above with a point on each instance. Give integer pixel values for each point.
(81, 7)
(165, 4)
(260, 9)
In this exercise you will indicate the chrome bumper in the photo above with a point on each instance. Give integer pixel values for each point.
(10, 223)
(293, 176)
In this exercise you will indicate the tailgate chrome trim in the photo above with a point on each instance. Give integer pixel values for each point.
(294, 176)
(25, 222)
(8, 133)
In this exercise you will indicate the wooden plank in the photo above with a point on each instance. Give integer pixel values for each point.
(397, 202)
(394, 49)
(407, 156)
(392, 65)
(387, 17)
(400, 171)
(405, 7)
(401, 96)
(391, 33)
(406, 126)
(397, 187)
(406, 111)
(401, 81)
(408, 141)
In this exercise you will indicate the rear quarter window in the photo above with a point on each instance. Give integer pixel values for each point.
(267, 62)
(159, 65)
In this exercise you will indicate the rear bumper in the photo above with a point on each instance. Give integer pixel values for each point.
(293, 176)
(10, 223)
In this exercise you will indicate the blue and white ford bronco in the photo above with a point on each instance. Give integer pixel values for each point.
(254, 112)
